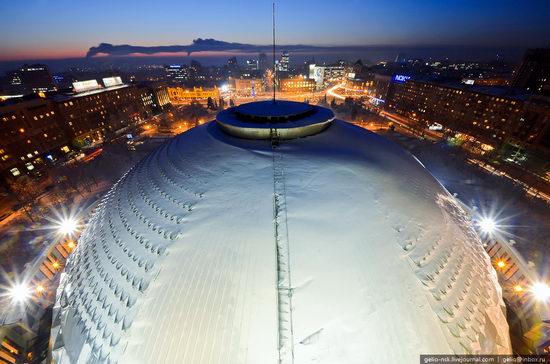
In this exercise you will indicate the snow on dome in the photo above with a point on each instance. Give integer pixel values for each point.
(334, 248)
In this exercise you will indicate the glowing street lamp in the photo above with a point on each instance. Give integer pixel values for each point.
(501, 264)
(19, 293)
(518, 288)
(67, 226)
(487, 225)
(40, 288)
(541, 291)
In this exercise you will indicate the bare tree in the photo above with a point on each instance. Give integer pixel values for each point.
(25, 191)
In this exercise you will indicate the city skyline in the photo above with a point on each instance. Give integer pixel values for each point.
(366, 182)
(69, 30)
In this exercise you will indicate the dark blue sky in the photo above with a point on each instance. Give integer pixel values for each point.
(63, 28)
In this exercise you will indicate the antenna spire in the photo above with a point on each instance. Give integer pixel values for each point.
(274, 64)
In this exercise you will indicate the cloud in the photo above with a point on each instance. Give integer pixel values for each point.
(204, 45)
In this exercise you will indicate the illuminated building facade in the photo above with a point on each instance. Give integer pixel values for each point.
(358, 84)
(90, 115)
(297, 85)
(326, 74)
(32, 135)
(486, 118)
(177, 73)
(37, 131)
(284, 62)
(180, 94)
(14, 338)
(161, 100)
(252, 64)
(246, 86)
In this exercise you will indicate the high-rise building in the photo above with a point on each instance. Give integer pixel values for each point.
(277, 234)
(483, 118)
(533, 74)
(232, 63)
(91, 114)
(33, 134)
(400, 57)
(325, 74)
(252, 64)
(15, 336)
(284, 62)
(39, 130)
(32, 78)
(177, 73)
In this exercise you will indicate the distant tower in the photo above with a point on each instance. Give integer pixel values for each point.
(232, 65)
(251, 64)
(533, 74)
(284, 62)
(232, 62)
(400, 58)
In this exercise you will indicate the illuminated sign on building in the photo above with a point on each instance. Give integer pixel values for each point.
(85, 85)
(317, 73)
(401, 78)
(112, 81)
(467, 81)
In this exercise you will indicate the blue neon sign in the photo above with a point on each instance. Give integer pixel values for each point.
(401, 78)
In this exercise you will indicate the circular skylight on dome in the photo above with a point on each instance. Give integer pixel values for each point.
(264, 119)
(281, 111)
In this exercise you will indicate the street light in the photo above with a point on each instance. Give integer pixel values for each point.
(487, 225)
(19, 293)
(541, 291)
(67, 226)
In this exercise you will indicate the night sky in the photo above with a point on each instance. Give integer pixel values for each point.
(33, 29)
